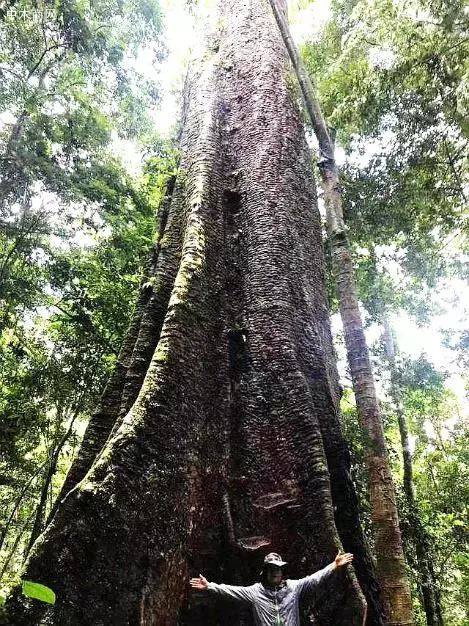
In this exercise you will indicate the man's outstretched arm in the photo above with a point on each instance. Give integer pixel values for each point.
(311, 583)
(242, 594)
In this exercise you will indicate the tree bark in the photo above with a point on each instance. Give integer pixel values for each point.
(388, 542)
(136, 351)
(221, 437)
(427, 579)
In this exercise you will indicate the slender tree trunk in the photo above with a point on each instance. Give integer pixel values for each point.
(422, 543)
(17, 504)
(14, 547)
(218, 437)
(40, 517)
(388, 543)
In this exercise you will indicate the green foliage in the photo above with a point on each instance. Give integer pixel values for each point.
(67, 84)
(38, 591)
(390, 78)
(357, 439)
(75, 232)
(441, 477)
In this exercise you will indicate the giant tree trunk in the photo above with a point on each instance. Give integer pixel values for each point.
(218, 437)
(427, 582)
(388, 543)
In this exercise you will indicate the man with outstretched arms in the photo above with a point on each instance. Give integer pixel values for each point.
(274, 600)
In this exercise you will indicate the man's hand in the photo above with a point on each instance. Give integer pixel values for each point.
(200, 583)
(343, 559)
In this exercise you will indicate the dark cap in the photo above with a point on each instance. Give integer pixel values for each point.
(274, 559)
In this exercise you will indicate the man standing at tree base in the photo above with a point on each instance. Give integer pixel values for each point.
(274, 600)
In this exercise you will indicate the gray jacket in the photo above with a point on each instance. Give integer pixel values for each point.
(274, 607)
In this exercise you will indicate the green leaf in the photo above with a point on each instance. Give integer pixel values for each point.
(38, 591)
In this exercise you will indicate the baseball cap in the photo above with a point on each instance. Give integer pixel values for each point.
(274, 559)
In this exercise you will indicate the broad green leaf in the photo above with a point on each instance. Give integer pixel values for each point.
(38, 591)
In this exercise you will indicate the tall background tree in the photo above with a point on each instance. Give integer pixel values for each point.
(395, 93)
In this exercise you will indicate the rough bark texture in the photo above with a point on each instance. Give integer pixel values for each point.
(138, 346)
(388, 543)
(217, 438)
(428, 585)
